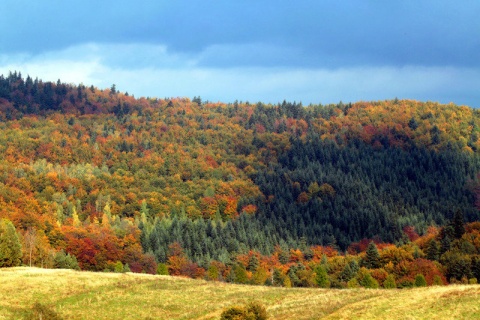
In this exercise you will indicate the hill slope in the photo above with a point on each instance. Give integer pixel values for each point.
(89, 169)
(85, 295)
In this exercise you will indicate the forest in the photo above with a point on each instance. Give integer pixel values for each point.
(376, 193)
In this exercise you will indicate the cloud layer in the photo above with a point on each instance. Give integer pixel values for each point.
(154, 71)
(306, 50)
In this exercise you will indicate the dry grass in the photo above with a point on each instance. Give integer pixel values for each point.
(85, 295)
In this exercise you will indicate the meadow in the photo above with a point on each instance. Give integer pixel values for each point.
(25, 292)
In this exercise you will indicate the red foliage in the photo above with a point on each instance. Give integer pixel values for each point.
(409, 269)
(411, 233)
(361, 246)
(95, 247)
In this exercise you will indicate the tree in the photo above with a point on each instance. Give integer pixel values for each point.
(458, 224)
(162, 269)
(368, 281)
(118, 267)
(30, 239)
(321, 277)
(349, 271)
(278, 277)
(437, 281)
(260, 276)
(240, 274)
(372, 257)
(346, 273)
(65, 261)
(413, 124)
(10, 246)
(253, 263)
(433, 250)
(420, 281)
(389, 282)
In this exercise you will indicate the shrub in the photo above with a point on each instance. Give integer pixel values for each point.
(253, 311)
(437, 281)
(64, 260)
(369, 282)
(233, 313)
(352, 283)
(389, 282)
(420, 281)
(287, 283)
(162, 269)
(257, 310)
(118, 267)
(405, 283)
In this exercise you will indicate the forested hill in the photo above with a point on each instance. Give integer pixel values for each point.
(220, 178)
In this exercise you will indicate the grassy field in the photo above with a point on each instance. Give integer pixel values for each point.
(86, 295)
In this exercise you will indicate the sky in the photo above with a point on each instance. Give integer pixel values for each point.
(309, 51)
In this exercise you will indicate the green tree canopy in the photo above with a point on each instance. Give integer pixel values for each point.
(10, 246)
(372, 257)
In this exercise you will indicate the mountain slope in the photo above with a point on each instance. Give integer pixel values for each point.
(221, 178)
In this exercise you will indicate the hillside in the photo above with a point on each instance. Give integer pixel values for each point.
(86, 295)
(111, 181)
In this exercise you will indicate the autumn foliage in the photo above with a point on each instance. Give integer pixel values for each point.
(101, 176)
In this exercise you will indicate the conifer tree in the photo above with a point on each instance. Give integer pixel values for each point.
(253, 263)
(346, 273)
(458, 224)
(240, 274)
(321, 277)
(369, 282)
(389, 282)
(372, 257)
(420, 281)
(10, 246)
(278, 277)
(433, 250)
(162, 269)
(212, 272)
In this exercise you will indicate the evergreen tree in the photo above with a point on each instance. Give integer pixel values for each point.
(372, 257)
(162, 269)
(118, 268)
(437, 280)
(240, 274)
(278, 277)
(458, 224)
(346, 273)
(476, 267)
(64, 260)
(253, 263)
(445, 244)
(413, 124)
(231, 276)
(433, 250)
(10, 246)
(420, 281)
(369, 282)
(389, 282)
(321, 278)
